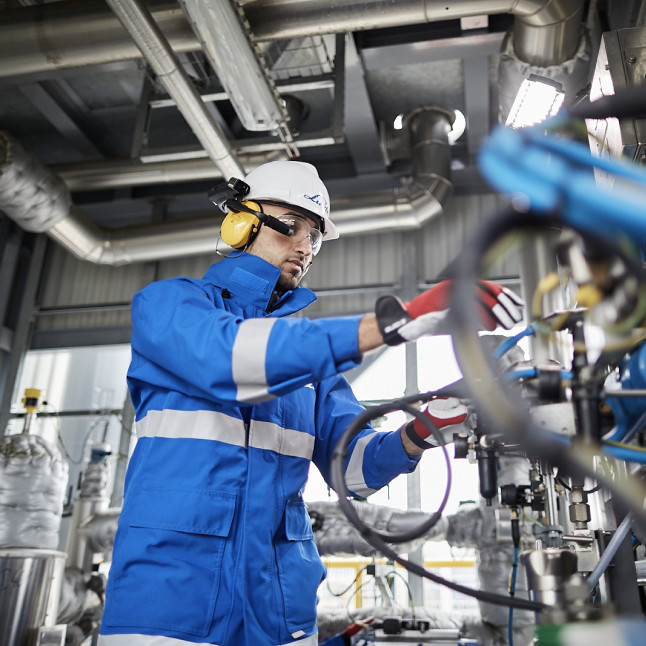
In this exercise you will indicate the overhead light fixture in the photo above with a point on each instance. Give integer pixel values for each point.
(538, 99)
(398, 123)
(238, 65)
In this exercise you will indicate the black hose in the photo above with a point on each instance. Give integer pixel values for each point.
(338, 470)
(378, 540)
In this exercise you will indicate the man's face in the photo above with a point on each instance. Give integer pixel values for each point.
(290, 255)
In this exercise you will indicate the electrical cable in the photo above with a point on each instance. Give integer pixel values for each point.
(503, 402)
(86, 439)
(565, 485)
(340, 594)
(378, 539)
(609, 552)
(512, 592)
(409, 593)
(515, 536)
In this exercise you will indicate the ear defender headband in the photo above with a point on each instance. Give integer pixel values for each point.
(243, 218)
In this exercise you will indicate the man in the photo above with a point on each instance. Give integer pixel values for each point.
(233, 401)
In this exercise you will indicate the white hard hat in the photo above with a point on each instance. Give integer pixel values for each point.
(296, 184)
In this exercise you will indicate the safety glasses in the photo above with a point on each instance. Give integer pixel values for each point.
(302, 229)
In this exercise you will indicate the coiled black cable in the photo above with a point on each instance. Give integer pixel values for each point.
(379, 540)
(338, 469)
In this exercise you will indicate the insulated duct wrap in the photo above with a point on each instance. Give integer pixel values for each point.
(33, 479)
(30, 193)
(572, 74)
(334, 535)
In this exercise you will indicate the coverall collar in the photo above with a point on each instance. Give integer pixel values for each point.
(252, 281)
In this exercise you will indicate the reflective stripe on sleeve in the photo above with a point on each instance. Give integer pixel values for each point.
(354, 473)
(248, 360)
(271, 437)
(211, 425)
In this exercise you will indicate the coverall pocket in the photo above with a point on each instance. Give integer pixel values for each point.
(168, 571)
(300, 569)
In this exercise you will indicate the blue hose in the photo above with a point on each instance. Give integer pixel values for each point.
(509, 343)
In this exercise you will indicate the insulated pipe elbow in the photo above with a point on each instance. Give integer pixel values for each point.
(30, 194)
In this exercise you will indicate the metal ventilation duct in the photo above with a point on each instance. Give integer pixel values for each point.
(137, 20)
(546, 33)
(58, 35)
(546, 39)
(38, 200)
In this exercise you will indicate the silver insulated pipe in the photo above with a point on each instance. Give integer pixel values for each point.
(59, 35)
(37, 200)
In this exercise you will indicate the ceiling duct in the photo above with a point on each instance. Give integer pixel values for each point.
(546, 40)
(137, 20)
(550, 44)
(239, 65)
(410, 206)
(38, 200)
(69, 33)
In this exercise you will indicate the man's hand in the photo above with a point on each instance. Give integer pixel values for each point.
(447, 414)
(427, 313)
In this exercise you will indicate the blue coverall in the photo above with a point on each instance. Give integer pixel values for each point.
(214, 544)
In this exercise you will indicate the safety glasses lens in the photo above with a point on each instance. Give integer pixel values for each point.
(303, 230)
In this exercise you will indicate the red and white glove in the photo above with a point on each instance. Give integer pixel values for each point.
(449, 416)
(427, 313)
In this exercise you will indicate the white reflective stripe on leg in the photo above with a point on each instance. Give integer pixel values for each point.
(312, 640)
(248, 360)
(192, 424)
(145, 640)
(354, 474)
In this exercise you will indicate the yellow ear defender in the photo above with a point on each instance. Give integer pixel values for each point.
(239, 228)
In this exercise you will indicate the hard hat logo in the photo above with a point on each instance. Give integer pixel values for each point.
(319, 200)
(296, 184)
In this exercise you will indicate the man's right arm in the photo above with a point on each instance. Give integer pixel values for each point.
(369, 335)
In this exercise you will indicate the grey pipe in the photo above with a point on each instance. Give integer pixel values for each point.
(52, 210)
(137, 20)
(69, 34)
(609, 552)
(550, 35)
(66, 34)
(548, 29)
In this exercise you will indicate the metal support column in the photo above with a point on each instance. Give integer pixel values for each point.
(21, 260)
(413, 482)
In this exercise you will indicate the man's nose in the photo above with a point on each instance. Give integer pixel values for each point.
(304, 244)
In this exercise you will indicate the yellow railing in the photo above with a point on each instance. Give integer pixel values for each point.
(358, 565)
